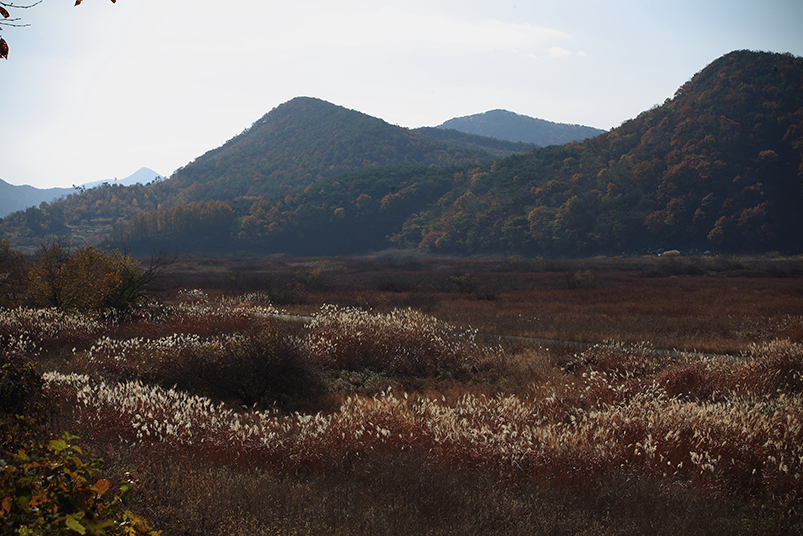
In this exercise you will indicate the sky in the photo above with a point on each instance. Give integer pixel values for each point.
(99, 90)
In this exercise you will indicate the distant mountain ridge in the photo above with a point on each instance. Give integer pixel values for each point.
(495, 146)
(505, 125)
(143, 175)
(14, 197)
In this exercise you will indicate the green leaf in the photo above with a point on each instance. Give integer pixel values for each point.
(74, 525)
(98, 527)
(58, 445)
(125, 490)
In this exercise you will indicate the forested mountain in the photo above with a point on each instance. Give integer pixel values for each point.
(301, 142)
(505, 125)
(717, 167)
(294, 145)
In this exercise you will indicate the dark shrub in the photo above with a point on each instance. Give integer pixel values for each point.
(262, 367)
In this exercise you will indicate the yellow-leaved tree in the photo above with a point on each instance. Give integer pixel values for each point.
(85, 277)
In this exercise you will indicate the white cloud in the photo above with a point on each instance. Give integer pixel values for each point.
(108, 87)
(179, 69)
(558, 52)
(299, 27)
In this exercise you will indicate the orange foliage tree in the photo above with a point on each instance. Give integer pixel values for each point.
(87, 278)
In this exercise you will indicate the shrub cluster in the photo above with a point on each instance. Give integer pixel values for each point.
(261, 367)
(581, 279)
(26, 332)
(264, 361)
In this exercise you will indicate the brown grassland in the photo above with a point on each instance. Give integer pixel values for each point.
(401, 394)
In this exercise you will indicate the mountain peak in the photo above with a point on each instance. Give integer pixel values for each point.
(143, 175)
(306, 139)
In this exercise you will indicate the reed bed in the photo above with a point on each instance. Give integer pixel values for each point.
(26, 333)
(241, 420)
(744, 440)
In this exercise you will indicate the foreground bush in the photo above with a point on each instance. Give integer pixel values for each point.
(87, 278)
(51, 486)
(259, 363)
(261, 367)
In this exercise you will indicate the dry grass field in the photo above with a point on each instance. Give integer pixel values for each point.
(413, 395)
(711, 305)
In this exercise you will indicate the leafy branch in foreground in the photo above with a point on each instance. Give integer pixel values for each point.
(48, 488)
(52, 486)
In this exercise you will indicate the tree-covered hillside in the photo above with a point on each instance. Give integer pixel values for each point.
(346, 214)
(301, 142)
(717, 167)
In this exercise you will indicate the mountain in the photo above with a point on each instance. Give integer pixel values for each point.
(302, 141)
(141, 176)
(505, 125)
(719, 166)
(293, 146)
(14, 198)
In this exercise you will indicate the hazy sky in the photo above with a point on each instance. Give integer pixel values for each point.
(99, 90)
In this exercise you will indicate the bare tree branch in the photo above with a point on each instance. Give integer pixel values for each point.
(7, 21)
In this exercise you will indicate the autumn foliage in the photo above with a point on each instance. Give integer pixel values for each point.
(716, 167)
